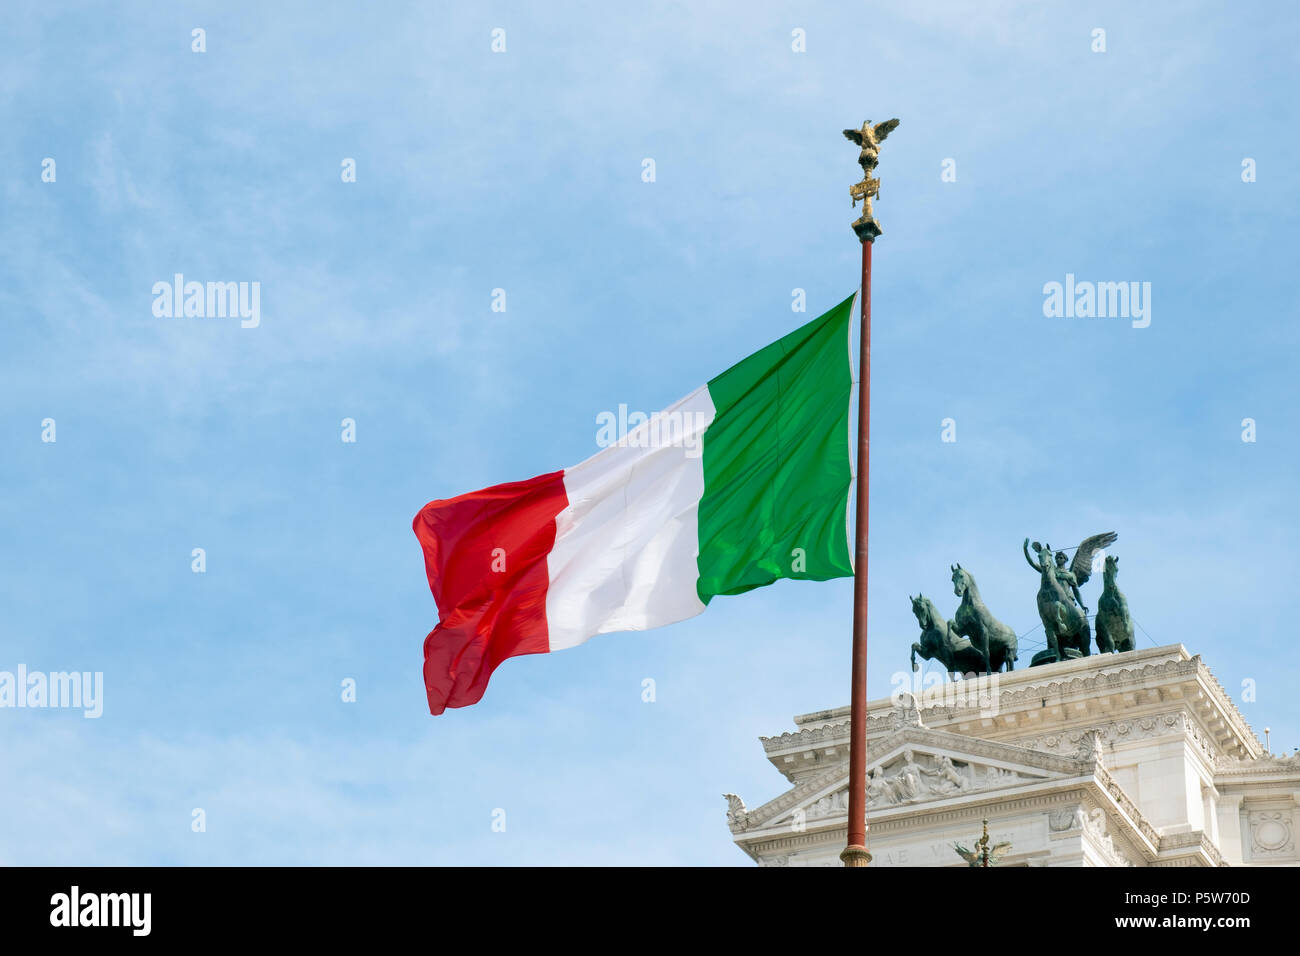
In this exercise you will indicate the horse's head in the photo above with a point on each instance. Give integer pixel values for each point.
(961, 580)
(921, 607)
(1111, 569)
(1045, 558)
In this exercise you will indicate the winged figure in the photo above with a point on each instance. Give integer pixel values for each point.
(1060, 605)
(1080, 569)
(976, 857)
(983, 854)
(869, 138)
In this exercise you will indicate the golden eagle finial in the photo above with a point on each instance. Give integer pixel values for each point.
(869, 138)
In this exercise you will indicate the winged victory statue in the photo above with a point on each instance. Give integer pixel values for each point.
(1060, 604)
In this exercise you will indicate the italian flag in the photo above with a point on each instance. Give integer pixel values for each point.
(743, 481)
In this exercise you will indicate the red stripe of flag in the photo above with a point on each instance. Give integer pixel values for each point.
(486, 615)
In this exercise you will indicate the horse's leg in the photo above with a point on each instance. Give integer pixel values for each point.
(1009, 648)
(1053, 644)
(1067, 635)
(979, 640)
(1104, 644)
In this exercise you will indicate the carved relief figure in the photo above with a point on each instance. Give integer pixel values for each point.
(947, 779)
(909, 778)
(878, 787)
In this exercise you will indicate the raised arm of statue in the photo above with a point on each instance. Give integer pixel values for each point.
(1032, 563)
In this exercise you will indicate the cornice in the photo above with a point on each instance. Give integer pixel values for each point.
(924, 740)
(1095, 789)
(1066, 689)
(1062, 685)
(1172, 723)
(1197, 841)
(762, 843)
(1233, 769)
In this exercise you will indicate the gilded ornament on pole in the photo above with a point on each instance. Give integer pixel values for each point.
(869, 138)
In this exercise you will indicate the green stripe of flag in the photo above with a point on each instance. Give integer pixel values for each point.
(776, 463)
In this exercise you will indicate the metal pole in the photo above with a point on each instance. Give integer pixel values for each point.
(855, 853)
(867, 229)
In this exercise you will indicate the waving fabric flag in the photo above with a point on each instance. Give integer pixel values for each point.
(742, 482)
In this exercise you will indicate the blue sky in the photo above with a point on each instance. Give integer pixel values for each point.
(522, 170)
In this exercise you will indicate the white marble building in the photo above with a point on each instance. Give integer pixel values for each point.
(1134, 759)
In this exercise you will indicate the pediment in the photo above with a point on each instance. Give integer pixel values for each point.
(912, 767)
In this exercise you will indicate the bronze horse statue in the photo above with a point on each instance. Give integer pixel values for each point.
(974, 621)
(940, 642)
(1114, 623)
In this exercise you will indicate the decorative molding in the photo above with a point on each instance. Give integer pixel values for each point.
(1127, 805)
(1062, 820)
(791, 798)
(1116, 681)
(1115, 732)
(1266, 765)
(1198, 841)
(809, 738)
(976, 747)
(835, 730)
(1272, 833)
(737, 815)
(1224, 699)
(758, 846)
(891, 785)
(1093, 824)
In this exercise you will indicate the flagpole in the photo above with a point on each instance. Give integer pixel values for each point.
(867, 229)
